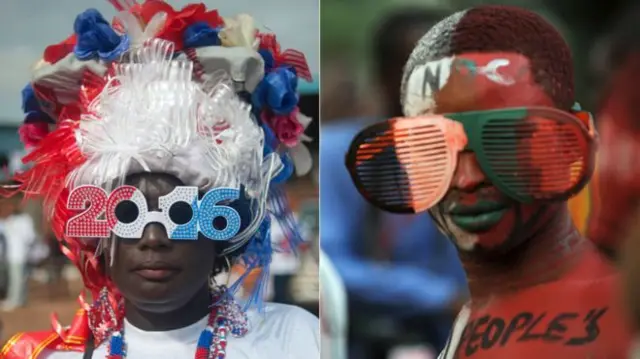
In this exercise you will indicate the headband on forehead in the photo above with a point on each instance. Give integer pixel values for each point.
(157, 90)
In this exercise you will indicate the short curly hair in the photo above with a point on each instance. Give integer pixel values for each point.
(494, 28)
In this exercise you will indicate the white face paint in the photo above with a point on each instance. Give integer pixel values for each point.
(424, 82)
(464, 240)
(429, 78)
(491, 72)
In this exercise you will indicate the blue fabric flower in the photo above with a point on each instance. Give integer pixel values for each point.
(96, 38)
(268, 59)
(278, 91)
(29, 100)
(200, 34)
(31, 107)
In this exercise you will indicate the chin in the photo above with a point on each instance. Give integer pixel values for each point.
(164, 304)
(465, 241)
(158, 297)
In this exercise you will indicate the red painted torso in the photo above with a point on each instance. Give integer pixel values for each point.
(577, 316)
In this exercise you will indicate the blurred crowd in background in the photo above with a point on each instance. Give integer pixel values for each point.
(403, 279)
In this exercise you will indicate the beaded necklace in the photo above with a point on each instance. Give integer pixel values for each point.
(226, 317)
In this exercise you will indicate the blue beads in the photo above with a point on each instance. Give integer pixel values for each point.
(206, 337)
(116, 345)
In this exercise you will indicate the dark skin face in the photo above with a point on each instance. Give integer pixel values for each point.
(470, 187)
(182, 296)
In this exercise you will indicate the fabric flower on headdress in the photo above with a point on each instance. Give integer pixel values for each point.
(36, 122)
(96, 38)
(32, 133)
(287, 128)
(269, 60)
(200, 34)
(277, 92)
(271, 52)
(57, 52)
(31, 107)
(239, 31)
(177, 22)
(276, 99)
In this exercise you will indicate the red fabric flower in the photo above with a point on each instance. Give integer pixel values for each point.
(32, 133)
(287, 128)
(57, 52)
(290, 57)
(177, 21)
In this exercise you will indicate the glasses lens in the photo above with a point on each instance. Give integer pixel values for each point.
(402, 165)
(539, 157)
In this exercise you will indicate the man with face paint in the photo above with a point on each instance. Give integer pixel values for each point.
(492, 146)
(158, 178)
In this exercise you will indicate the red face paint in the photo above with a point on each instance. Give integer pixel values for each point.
(484, 81)
(572, 318)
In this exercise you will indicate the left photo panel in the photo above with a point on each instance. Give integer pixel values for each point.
(159, 183)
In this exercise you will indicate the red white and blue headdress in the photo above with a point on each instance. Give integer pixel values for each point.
(208, 99)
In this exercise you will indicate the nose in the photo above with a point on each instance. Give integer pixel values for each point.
(154, 237)
(468, 175)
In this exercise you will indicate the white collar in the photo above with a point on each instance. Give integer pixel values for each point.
(188, 334)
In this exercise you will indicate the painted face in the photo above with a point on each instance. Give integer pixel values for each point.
(474, 213)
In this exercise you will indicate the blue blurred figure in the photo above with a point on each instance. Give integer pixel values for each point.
(403, 278)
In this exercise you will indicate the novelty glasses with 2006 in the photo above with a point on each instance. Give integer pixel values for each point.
(406, 165)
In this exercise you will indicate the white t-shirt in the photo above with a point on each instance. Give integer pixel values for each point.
(283, 332)
(20, 233)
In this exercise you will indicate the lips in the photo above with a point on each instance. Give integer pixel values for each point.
(479, 217)
(156, 272)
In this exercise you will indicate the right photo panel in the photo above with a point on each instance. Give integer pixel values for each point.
(479, 192)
